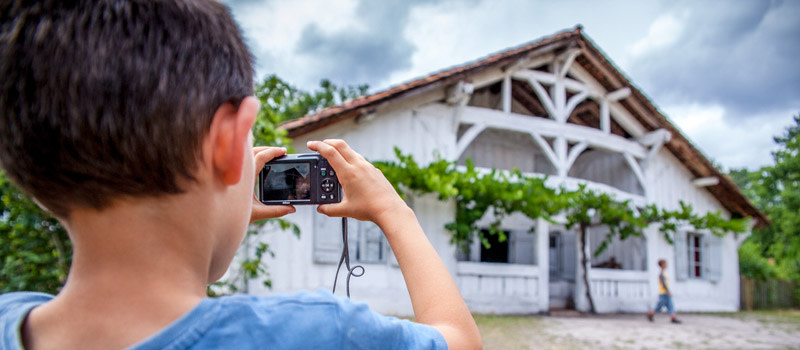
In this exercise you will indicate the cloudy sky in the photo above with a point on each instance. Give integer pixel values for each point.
(726, 72)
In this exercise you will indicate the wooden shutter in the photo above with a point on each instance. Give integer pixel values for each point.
(327, 239)
(713, 257)
(681, 256)
(521, 247)
(372, 241)
(569, 259)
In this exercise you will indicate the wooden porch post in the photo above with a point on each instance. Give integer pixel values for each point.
(543, 262)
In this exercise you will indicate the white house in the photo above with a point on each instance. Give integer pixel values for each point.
(556, 106)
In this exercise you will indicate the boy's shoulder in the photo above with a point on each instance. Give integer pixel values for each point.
(304, 320)
(13, 309)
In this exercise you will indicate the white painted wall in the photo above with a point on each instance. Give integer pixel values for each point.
(420, 126)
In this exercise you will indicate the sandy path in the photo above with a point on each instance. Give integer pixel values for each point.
(731, 331)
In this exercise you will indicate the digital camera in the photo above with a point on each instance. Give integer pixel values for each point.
(304, 178)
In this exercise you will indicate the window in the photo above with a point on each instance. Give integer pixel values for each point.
(367, 243)
(498, 251)
(699, 256)
(696, 254)
(517, 248)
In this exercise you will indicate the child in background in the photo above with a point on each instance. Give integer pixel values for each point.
(664, 295)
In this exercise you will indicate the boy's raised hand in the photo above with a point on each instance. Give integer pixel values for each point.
(262, 155)
(368, 196)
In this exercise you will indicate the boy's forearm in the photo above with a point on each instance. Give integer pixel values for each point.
(434, 294)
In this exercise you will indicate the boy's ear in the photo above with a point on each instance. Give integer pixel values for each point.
(229, 135)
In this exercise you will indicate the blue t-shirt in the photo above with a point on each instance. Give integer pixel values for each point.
(300, 321)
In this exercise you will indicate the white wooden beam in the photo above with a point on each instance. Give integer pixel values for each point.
(549, 128)
(560, 147)
(618, 113)
(506, 91)
(574, 153)
(545, 147)
(552, 111)
(568, 57)
(574, 101)
(560, 100)
(458, 95)
(529, 62)
(459, 91)
(655, 137)
(549, 79)
(617, 95)
(706, 181)
(605, 117)
(467, 138)
(637, 170)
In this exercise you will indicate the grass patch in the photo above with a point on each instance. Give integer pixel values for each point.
(508, 332)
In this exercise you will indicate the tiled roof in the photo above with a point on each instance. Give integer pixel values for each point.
(591, 59)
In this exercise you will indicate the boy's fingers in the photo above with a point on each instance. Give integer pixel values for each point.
(330, 153)
(261, 211)
(265, 155)
(344, 149)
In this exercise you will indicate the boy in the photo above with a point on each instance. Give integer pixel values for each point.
(130, 121)
(664, 295)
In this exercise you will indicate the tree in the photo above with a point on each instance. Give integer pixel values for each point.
(35, 252)
(282, 102)
(775, 189)
(508, 192)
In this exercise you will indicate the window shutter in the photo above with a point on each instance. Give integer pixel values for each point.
(569, 259)
(521, 247)
(327, 239)
(681, 256)
(713, 261)
(373, 242)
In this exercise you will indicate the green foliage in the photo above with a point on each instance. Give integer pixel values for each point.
(282, 102)
(35, 252)
(775, 189)
(507, 192)
(474, 194)
(753, 264)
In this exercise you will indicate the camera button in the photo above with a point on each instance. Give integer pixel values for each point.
(323, 197)
(327, 185)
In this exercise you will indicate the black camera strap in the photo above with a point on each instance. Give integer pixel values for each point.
(346, 260)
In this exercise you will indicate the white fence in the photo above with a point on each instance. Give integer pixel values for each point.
(620, 290)
(500, 288)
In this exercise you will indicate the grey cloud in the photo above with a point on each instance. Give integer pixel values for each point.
(366, 53)
(742, 55)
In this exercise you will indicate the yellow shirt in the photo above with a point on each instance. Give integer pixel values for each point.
(663, 287)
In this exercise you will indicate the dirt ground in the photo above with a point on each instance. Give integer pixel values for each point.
(743, 330)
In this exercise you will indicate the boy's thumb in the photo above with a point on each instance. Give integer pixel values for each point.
(333, 210)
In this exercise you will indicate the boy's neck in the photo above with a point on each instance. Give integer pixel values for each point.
(140, 264)
(146, 243)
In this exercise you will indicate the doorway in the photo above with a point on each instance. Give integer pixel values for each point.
(563, 260)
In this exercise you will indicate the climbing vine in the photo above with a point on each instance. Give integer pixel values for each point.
(506, 192)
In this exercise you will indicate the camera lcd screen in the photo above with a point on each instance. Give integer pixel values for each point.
(287, 182)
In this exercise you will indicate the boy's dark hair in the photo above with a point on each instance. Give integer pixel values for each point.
(101, 99)
(661, 262)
